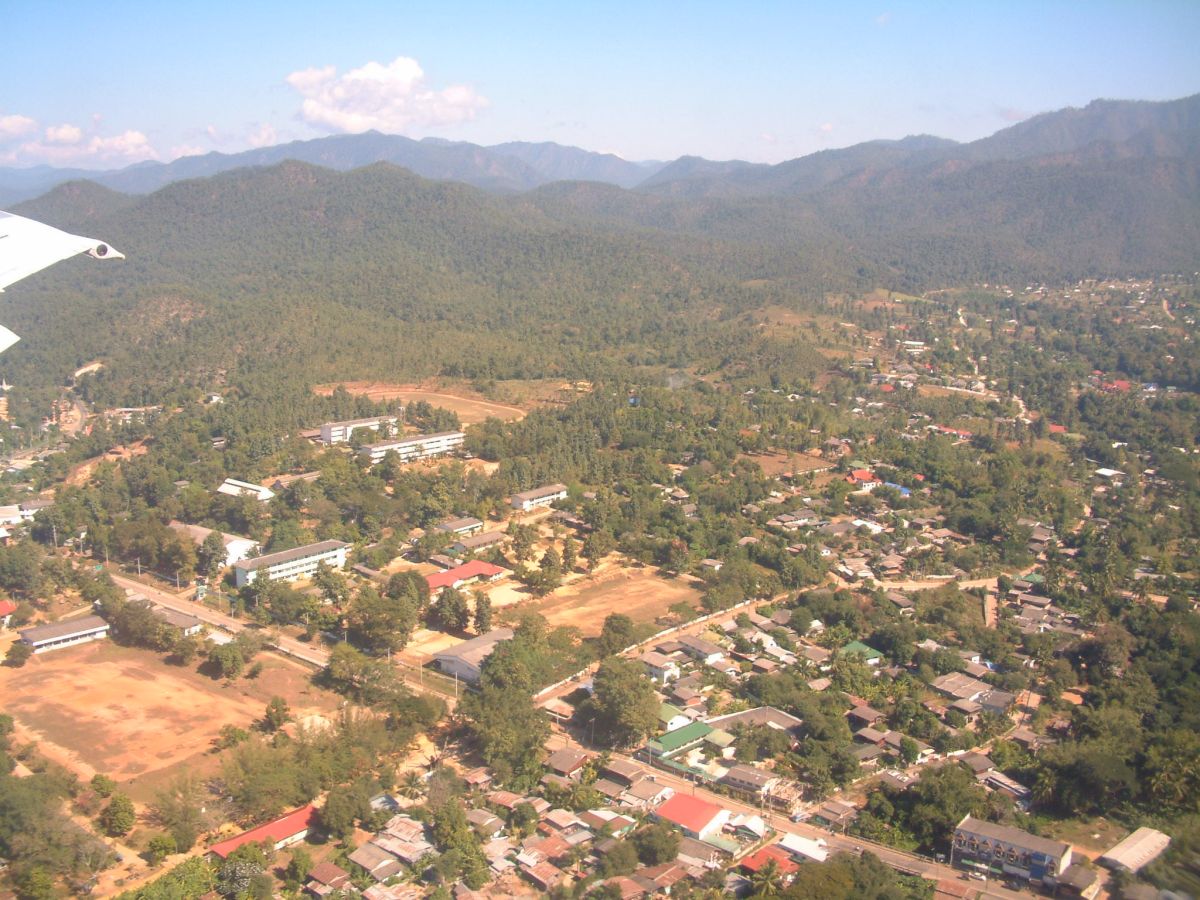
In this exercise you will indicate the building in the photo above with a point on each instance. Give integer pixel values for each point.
(289, 565)
(464, 526)
(236, 548)
(475, 570)
(466, 659)
(233, 488)
(181, 622)
(473, 543)
(1009, 851)
(750, 780)
(282, 832)
(680, 740)
(697, 818)
(56, 635)
(539, 497)
(419, 446)
(1136, 851)
(7, 608)
(659, 666)
(340, 432)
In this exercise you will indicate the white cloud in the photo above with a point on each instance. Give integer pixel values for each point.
(392, 97)
(263, 136)
(883, 19)
(15, 126)
(182, 150)
(64, 134)
(56, 148)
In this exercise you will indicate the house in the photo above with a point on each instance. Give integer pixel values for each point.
(960, 686)
(698, 648)
(567, 762)
(697, 818)
(290, 565)
(325, 878)
(486, 824)
(181, 622)
(473, 570)
(680, 740)
(805, 848)
(233, 488)
(68, 633)
(863, 716)
(340, 432)
(1009, 850)
(376, 861)
(660, 667)
(7, 608)
(784, 864)
(1136, 851)
(671, 718)
(415, 447)
(760, 715)
(624, 773)
(538, 497)
(836, 814)
(279, 833)
(465, 660)
(869, 655)
(237, 548)
(864, 479)
(647, 793)
(750, 780)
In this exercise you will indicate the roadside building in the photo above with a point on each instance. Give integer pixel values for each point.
(1136, 851)
(697, 818)
(56, 635)
(474, 570)
(290, 565)
(236, 548)
(538, 497)
(282, 832)
(1008, 850)
(465, 660)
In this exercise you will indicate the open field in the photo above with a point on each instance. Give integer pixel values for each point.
(104, 708)
(471, 409)
(779, 463)
(640, 594)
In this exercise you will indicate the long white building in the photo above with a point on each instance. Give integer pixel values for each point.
(68, 633)
(289, 565)
(538, 497)
(339, 432)
(418, 446)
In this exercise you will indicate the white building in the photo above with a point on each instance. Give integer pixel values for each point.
(289, 565)
(234, 488)
(419, 446)
(236, 548)
(539, 497)
(339, 432)
(43, 638)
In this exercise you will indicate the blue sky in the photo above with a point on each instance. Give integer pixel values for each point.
(104, 85)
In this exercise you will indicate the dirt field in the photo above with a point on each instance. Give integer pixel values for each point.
(640, 594)
(471, 409)
(123, 712)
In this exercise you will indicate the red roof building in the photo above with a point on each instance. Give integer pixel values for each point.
(7, 608)
(470, 571)
(783, 860)
(698, 818)
(287, 829)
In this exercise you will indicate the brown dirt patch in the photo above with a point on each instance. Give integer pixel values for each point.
(124, 712)
(641, 594)
(778, 463)
(471, 409)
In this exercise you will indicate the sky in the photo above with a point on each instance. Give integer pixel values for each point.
(107, 85)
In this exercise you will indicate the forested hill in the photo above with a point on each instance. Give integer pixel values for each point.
(304, 274)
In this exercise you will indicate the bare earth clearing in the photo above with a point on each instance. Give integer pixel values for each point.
(778, 463)
(471, 410)
(126, 713)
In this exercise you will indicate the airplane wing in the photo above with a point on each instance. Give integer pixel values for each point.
(27, 246)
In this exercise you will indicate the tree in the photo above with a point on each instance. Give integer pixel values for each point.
(483, 612)
(177, 808)
(570, 554)
(103, 785)
(159, 848)
(118, 818)
(382, 623)
(615, 635)
(510, 730)
(450, 610)
(277, 714)
(211, 555)
(620, 860)
(344, 806)
(226, 660)
(657, 843)
(298, 866)
(624, 701)
(18, 654)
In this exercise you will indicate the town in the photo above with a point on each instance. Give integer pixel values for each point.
(917, 621)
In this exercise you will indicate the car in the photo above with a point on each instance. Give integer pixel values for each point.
(976, 876)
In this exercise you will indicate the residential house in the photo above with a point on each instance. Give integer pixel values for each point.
(465, 660)
(697, 818)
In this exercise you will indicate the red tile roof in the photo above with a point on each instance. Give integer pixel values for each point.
(283, 828)
(7, 607)
(476, 568)
(688, 812)
(863, 475)
(783, 860)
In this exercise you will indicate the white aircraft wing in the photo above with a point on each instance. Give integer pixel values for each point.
(27, 246)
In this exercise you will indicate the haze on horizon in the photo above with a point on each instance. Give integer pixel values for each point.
(145, 81)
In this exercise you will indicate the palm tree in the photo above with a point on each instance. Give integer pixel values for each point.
(767, 881)
(412, 786)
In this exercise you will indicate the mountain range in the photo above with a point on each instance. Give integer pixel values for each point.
(345, 267)
(521, 166)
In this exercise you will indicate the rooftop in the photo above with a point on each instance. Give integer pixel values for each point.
(284, 556)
